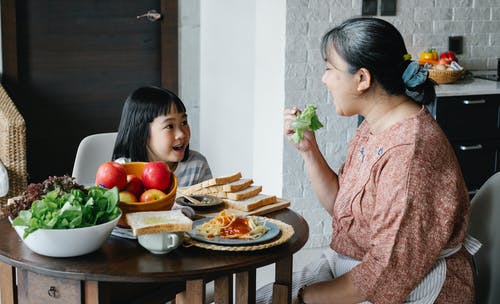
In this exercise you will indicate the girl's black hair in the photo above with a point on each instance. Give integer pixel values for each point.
(374, 44)
(141, 107)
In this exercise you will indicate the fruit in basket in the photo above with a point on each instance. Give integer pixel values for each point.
(156, 175)
(111, 174)
(134, 185)
(127, 197)
(447, 57)
(440, 67)
(429, 56)
(152, 195)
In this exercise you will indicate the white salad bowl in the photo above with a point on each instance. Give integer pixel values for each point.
(67, 242)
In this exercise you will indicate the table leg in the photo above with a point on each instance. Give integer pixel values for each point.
(91, 293)
(7, 284)
(245, 287)
(194, 293)
(223, 290)
(282, 288)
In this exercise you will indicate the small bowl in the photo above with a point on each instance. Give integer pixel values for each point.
(63, 243)
(161, 243)
(165, 203)
(208, 202)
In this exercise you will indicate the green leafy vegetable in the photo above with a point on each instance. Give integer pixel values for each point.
(306, 120)
(76, 208)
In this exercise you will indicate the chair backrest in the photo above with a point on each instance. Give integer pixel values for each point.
(485, 226)
(12, 146)
(92, 152)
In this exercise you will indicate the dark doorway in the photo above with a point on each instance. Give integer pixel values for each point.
(70, 64)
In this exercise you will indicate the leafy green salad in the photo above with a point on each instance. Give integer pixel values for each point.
(306, 120)
(73, 208)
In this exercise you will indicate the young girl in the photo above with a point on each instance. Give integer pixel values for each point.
(154, 127)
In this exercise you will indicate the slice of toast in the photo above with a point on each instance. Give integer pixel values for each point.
(158, 221)
(238, 185)
(196, 189)
(221, 180)
(251, 203)
(231, 187)
(245, 193)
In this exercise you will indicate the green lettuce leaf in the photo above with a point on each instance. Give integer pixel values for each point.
(74, 209)
(306, 120)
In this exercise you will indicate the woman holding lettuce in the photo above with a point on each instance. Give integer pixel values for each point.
(399, 204)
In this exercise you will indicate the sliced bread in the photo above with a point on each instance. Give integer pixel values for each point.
(221, 180)
(211, 184)
(230, 187)
(158, 221)
(238, 185)
(251, 203)
(239, 195)
(245, 193)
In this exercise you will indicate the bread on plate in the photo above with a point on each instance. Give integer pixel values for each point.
(148, 222)
(251, 203)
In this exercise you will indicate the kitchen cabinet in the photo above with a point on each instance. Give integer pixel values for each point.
(472, 124)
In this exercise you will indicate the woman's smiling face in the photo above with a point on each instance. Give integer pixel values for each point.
(169, 137)
(341, 84)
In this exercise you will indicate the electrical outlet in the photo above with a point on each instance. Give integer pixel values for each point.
(369, 7)
(455, 44)
(388, 8)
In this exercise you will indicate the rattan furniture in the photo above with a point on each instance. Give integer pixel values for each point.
(12, 146)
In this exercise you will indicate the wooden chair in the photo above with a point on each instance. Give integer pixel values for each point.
(485, 226)
(12, 146)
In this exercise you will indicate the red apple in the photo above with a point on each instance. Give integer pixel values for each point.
(127, 197)
(444, 61)
(111, 174)
(156, 175)
(152, 195)
(134, 185)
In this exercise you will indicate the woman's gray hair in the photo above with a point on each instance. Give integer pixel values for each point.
(376, 45)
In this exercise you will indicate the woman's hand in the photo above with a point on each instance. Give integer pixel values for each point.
(309, 139)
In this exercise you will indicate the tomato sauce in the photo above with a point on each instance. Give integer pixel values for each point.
(238, 227)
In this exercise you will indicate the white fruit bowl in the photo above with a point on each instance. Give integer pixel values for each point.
(67, 242)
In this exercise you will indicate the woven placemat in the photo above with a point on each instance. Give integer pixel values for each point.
(286, 232)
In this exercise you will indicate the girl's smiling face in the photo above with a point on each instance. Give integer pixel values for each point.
(168, 137)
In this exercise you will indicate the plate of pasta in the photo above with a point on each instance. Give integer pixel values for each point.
(230, 229)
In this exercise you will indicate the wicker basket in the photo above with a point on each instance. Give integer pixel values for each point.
(445, 76)
(12, 146)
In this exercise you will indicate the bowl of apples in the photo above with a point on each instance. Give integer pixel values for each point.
(143, 186)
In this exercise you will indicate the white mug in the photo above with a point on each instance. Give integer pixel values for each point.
(161, 243)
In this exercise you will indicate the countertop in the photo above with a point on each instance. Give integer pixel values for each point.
(469, 86)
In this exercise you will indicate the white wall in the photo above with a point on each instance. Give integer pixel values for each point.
(189, 65)
(269, 95)
(242, 88)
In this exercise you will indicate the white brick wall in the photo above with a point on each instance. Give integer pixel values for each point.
(423, 23)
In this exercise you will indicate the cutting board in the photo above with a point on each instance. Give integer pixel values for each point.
(280, 204)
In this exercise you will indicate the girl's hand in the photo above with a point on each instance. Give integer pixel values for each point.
(307, 141)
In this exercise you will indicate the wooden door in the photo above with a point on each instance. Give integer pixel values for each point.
(70, 64)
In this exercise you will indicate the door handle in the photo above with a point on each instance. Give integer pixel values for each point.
(151, 15)
(474, 147)
(472, 102)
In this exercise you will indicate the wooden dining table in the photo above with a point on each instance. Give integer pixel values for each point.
(121, 263)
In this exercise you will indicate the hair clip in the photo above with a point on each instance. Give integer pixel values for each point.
(406, 57)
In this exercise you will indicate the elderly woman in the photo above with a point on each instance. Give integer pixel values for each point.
(399, 204)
